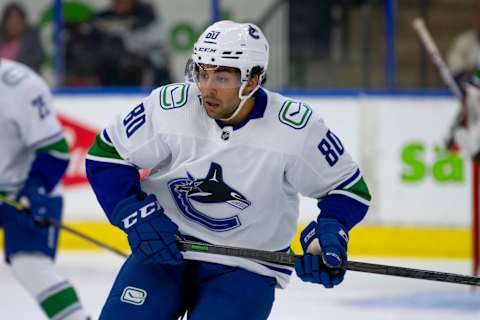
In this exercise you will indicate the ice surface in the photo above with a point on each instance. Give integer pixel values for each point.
(361, 297)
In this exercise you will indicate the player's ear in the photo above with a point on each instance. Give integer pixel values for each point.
(251, 84)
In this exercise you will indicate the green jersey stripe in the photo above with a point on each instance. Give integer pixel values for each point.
(360, 189)
(103, 150)
(59, 146)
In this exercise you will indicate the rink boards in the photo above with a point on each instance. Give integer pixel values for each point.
(421, 194)
(448, 243)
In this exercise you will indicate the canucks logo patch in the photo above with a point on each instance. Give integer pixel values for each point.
(174, 95)
(295, 114)
(210, 190)
(134, 296)
(13, 76)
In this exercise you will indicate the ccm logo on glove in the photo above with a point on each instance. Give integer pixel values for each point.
(143, 212)
(343, 234)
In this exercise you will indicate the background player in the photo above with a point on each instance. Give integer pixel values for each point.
(34, 157)
(228, 159)
(468, 138)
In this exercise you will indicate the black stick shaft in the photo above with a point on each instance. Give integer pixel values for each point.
(287, 259)
(282, 258)
(413, 273)
(267, 256)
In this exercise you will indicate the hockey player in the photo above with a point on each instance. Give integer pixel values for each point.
(33, 158)
(228, 159)
(467, 136)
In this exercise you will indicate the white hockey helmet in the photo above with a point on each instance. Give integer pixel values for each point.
(231, 44)
(238, 45)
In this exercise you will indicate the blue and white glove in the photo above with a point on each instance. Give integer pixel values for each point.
(39, 207)
(325, 252)
(151, 234)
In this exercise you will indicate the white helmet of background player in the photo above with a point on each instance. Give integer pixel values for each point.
(472, 89)
(468, 137)
(237, 45)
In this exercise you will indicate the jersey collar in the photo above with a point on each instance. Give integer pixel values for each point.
(257, 112)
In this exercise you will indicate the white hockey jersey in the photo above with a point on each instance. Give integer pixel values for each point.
(27, 121)
(235, 186)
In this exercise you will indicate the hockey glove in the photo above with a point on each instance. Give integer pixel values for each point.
(325, 251)
(41, 207)
(151, 234)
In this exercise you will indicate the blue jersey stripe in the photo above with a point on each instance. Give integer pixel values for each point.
(106, 136)
(349, 180)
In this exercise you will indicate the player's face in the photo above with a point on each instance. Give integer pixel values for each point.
(219, 88)
(15, 24)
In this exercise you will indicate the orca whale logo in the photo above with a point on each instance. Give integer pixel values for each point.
(211, 189)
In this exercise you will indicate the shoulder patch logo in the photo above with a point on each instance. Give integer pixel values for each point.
(212, 190)
(295, 114)
(134, 296)
(13, 76)
(174, 95)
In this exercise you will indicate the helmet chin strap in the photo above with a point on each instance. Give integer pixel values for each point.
(243, 99)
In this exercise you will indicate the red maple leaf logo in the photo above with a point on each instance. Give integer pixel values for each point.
(80, 137)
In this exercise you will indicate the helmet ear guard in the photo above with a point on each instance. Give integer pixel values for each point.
(189, 72)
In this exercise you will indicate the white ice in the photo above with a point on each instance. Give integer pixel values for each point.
(360, 297)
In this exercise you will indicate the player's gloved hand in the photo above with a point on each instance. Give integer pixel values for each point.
(451, 145)
(39, 206)
(325, 251)
(468, 140)
(151, 234)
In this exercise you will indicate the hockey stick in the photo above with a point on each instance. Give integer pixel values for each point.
(287, 259)
(427, 40)
(281, 258)
(429, 44)
(60, 225)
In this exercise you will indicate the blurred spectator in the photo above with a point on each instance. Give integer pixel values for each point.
(137, 45)
(319, 35)
(18, 40)
(84, 54)
(464, 54)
